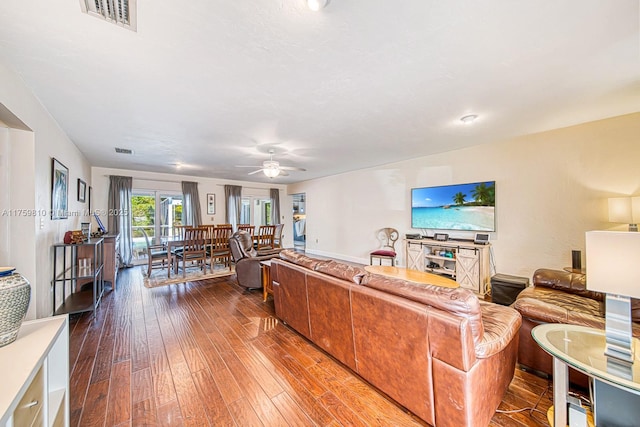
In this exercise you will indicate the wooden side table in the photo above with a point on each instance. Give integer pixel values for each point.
(267, 284)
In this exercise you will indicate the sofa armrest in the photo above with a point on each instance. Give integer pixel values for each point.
(264, 257)
(501, 326)
(269, 252)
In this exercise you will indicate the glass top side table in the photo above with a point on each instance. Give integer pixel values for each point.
(582, 348)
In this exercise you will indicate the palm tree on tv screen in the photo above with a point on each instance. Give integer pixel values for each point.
(484, 195)
(458, 198)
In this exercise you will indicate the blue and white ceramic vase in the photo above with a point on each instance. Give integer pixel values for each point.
(15, 292)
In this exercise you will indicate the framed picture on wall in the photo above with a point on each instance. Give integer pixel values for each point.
(82, 190)
(211, 204)
(59, 190)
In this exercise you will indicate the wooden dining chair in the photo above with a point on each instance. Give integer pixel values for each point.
(265, 236)
(277, 236)
(194, 248)
(210, 228)
(178, 231)
(219, 249)
(156, 254)
(249, 229)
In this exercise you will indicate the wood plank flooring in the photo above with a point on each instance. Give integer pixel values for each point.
(211, 354)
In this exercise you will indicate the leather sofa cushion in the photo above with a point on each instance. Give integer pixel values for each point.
(300, 259)
(458, 301)
(340, 270)
(554, 306)
(501, 324)
(564, 301)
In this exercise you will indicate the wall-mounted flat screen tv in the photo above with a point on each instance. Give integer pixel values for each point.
(455, 207)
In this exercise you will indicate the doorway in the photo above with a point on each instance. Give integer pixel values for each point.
(255, 211)
(299, 221)
(157, 213)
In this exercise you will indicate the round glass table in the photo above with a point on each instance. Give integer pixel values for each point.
(582, 349)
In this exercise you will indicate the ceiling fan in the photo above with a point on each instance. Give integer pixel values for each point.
(272, 168)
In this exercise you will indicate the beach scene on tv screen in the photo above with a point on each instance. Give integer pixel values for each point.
(455, 207)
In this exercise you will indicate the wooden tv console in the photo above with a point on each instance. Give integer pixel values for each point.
(463, 261)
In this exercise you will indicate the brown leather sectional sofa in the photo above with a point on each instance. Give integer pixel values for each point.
(439, 352)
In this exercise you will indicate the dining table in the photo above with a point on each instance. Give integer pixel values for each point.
(173, 243)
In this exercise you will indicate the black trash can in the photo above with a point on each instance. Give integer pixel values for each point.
(505, 288)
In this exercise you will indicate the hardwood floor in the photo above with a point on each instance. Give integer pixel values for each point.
(211, 354)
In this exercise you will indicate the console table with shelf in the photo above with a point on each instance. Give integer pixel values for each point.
(466, 262)
(111, 258)
(82, 286)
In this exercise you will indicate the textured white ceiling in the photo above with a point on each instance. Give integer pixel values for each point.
(204, 85)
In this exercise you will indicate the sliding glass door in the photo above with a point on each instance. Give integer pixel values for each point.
(156, 213)
(255, 211)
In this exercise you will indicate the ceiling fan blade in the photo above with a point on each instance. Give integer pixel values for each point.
(254, 172)
(292, 168)
(246, 166)
(283, 173)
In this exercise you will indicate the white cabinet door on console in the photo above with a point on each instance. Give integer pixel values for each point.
(415, 256)
(468, 269)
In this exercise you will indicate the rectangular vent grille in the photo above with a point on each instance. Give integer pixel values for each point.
(123, 151)
(119, 12)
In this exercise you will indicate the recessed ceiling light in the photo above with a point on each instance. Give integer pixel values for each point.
(316, 5)
(467, 120)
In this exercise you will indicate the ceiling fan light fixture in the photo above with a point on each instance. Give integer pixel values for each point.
(316, 5)
(271, 168)
(271, 171)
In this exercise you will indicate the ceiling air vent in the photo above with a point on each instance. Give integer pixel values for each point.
(119, 12)
(123, 151)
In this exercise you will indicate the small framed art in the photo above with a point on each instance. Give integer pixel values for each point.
(211, 204)
(82, 190)
(59, 185)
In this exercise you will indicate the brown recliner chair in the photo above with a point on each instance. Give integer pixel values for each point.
(247, 259)
(560, 297)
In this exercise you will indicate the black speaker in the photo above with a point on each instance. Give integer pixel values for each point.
(576, 260)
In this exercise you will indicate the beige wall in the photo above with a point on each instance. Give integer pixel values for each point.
(29, 187)
(551, 187)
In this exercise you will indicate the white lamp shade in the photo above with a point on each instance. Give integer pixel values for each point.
(620, 210)
(613, 262)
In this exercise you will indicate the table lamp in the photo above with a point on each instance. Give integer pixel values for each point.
(625, 210)
(613, 267)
